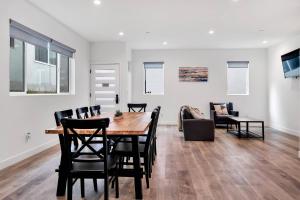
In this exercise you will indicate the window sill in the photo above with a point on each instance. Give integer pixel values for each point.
(237, 94)
(154, 94)
(17, 94)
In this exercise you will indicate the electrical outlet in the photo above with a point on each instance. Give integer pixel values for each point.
(27, 136)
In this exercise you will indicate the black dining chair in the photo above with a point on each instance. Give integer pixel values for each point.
(59, 115)
(136, 107)
(155, 137)
(124, 149)
(82, 113)
(95, 110)
(101, 165)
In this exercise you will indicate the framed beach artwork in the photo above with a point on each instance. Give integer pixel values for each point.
(193, 74)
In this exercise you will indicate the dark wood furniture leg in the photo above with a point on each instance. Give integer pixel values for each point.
(62, 178)
(137, 168)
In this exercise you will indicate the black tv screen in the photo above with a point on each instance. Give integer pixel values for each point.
(291, 64)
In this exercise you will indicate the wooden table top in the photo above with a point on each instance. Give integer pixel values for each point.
(245, 119)
(133, 123)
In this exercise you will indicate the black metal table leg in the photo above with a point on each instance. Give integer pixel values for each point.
(62, 178)
(263, 130)
(137, 168)
(239, 129)
(247, 129)
(227, 125)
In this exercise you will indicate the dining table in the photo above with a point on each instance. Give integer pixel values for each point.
(130, 125)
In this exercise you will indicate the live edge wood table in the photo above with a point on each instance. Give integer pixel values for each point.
(132, 125)
(245, 133)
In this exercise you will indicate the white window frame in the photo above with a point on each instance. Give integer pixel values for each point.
(29, 36)
(247, 81)
(144, 80)
(71, 92)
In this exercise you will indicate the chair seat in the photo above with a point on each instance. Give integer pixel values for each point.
(93, 167)
(125, 149)
(142, 139)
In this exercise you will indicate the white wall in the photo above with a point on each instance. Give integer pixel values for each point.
(284, 94)
(111, 53)
(200, 94)
(34, 114)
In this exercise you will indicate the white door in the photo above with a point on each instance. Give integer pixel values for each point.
(105, 81)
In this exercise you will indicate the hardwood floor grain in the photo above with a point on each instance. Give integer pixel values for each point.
(228, 168)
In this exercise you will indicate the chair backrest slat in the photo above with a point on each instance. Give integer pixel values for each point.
(59, 115)
(95, 110)
(137, 107)
(71, 127)
(82, 113)
(152, 128)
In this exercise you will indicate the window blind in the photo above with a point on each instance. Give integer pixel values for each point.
(153, 65)
(21, 32)
(238, 64)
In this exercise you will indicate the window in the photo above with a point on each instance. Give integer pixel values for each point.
(16, 70)
(238, 78)
(38, 64)
(41, 54)
(154, 78)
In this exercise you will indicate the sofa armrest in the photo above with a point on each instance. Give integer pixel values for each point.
(199, 129)
(234, 113)
(213, 114)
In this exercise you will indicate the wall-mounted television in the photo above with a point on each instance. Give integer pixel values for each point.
(291, 64)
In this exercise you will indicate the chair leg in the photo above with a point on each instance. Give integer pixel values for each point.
(155, 150)
(70, 188)
(113, 182)
(82, 187)
(95, 185)
(153, 154)
(149, 163)
(117, 186)
(106, 194)
(146, 166)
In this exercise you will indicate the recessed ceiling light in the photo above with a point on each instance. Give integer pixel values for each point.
(235, 0)
(211, 32)
(165, 43)
(265, 42)
(121, 33)
(97, 2)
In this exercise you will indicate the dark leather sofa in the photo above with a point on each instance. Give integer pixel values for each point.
(222, 119)
(196, 129)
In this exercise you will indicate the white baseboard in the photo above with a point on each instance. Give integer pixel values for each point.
(286, 130)
(167, 123)
(21, 156)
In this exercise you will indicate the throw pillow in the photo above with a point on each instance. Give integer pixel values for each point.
(196, 113)
(221, 109)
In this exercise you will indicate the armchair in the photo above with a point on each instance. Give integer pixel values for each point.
(222, 119)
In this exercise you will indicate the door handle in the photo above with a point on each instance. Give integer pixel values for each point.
(117, 99)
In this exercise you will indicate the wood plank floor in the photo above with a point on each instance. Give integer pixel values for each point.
(228, 168)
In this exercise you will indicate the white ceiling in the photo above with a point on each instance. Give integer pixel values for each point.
(182, 23)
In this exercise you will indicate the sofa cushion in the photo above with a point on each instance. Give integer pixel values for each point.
(196, 113)
(221, 109)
